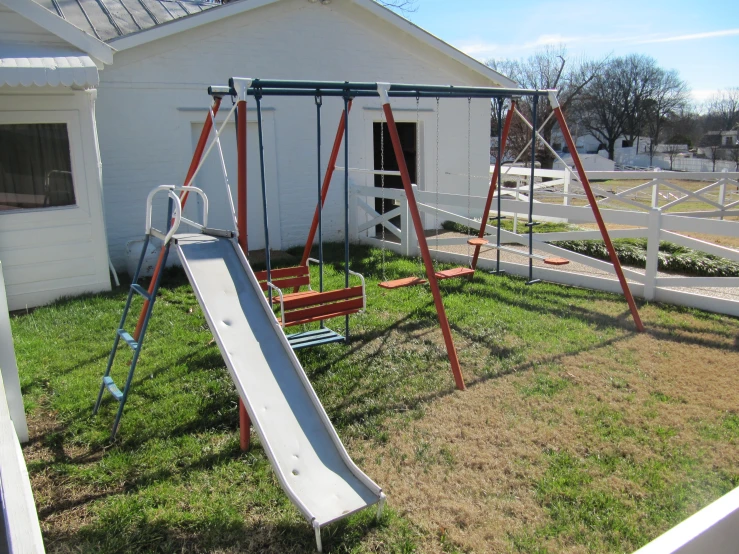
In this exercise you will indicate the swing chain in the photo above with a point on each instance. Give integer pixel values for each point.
(418, 168)
(469, 172)
(382, 187)
(436, 173)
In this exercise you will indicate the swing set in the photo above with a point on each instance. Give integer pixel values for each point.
(308, 305)
(290, 289)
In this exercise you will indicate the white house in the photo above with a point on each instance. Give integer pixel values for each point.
(52, 234)
(152, 103)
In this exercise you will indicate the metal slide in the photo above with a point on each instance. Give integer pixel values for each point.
(307, 455)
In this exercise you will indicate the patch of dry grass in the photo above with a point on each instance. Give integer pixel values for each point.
(471, 469)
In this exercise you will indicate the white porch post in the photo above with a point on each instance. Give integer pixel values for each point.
(9, 368)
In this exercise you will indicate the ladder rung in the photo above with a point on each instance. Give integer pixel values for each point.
(141, 290)
(113, 388)
(128, 338)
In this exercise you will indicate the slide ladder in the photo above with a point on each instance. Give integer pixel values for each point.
(307, 455)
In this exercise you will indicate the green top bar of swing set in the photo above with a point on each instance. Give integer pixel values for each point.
(272, 87)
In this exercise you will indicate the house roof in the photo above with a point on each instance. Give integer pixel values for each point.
(129, 23)
(110, 19)
(46, 64)
(65, 30)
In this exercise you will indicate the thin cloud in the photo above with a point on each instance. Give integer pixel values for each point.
(696, 36)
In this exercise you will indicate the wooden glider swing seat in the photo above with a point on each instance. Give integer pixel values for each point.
(310, 306)
(301, 307)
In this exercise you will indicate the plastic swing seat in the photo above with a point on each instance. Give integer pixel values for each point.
(454, 273)
(477, 242)
(404, 282)
(556, 261)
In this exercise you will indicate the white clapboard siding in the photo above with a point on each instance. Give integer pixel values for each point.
(154, 96)
(54, 252)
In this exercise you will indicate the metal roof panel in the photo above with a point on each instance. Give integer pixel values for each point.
(109, 19)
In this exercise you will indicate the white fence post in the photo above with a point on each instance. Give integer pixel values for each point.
(655, 195)
(653, 232)
(722, 193)
(567, 178)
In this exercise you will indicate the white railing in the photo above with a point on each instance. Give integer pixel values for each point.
(657, 189)
(714, 529)
(647, 222)
(17, 507)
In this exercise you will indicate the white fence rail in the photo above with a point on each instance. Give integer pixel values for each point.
(645, 220)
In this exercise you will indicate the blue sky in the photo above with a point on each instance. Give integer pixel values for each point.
(700, 39)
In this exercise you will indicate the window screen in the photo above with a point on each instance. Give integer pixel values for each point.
(35, 166)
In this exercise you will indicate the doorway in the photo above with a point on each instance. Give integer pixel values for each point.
(381, 135)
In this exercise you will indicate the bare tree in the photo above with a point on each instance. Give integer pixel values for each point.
(669, 97)
(604, 107)
(672, 151)
(551, 68)
(724, 107)
(734, 156)
(640, 78)
(713, 153)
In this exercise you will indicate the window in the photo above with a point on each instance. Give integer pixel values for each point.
(35, 166)
(727, 142)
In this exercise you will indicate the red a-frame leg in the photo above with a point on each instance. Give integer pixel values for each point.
(596, 210)
(422, 244)
(494, 181)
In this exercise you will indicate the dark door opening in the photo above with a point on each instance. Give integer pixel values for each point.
(407, 133)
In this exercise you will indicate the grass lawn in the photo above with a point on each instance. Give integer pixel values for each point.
(576, 434)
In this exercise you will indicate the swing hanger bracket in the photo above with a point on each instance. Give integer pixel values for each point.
(383, 89)
(241, 85)
(553, 100)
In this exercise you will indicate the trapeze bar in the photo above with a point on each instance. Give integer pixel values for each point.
(372, 171)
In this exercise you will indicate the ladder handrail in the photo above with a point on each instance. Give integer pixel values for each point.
(177, 217)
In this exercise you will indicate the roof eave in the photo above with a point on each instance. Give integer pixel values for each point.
(62, 28)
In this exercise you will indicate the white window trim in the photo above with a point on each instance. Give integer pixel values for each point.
(22, 218)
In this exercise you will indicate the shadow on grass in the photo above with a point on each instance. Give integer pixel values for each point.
(222, 535)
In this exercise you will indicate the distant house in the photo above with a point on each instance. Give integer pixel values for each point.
(152, 101)
(52, 233)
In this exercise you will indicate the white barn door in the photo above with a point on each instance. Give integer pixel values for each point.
(211, 180)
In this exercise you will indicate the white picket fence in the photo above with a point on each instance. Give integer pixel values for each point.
(646, 219)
